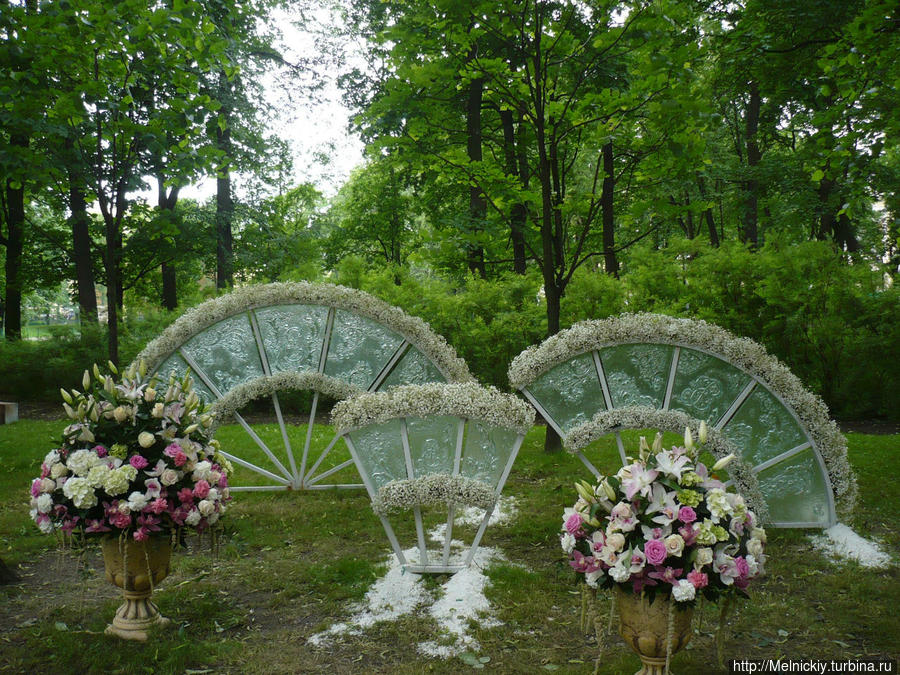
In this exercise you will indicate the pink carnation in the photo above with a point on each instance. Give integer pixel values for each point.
(185, 496)
(699, 579)
(138, 461)
(158, 505)
(101, 451)
(201, 490)
(45, 470)
(36, 487)
(655, 551)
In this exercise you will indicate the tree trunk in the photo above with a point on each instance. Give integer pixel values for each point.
(224, 215)
(112, 286)
(15, 243)
(610, 262)
(477, 201)
(751, 185)
(166, 201)
(81, 252)
(518, 213)
(708, 214)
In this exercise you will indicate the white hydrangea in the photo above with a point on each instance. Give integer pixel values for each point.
(51, 458)
(193, 517)
(58, 470)
(619, 572)
(81, 493)
(81, 462)
(97, 475)
(718, 504)
(567, 541)
(116, 481)
(44, 503)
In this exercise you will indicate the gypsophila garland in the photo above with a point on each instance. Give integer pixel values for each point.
(267, 385)
(470, 401)
(642, 417)
(412, 328)
(745, 354)
(432, 489)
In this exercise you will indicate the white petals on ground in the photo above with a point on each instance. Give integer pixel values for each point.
(454, 606)
(840, 542)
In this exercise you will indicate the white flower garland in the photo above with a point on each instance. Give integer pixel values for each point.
(421, 400)
(434, 488)
(267, 385)
(744, 353)
(641, 417)
(413, 329)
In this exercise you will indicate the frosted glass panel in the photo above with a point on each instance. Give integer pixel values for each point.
(432, 444)
(705, 386)
(637, 374)
(570, 392)
(292, 336)
(359, 349)
(179, 365)
(380, 451)
(227, 352)
(486, 452)
(413, 368)
(795, 490)
(763, 428)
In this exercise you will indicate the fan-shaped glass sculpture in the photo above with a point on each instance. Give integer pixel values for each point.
(433, 446)
(645, 370)
(332, 341)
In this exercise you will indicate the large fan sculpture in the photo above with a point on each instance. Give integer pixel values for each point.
(333, 341)
(651, 371)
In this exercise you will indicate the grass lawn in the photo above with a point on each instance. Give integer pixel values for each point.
(293, 563)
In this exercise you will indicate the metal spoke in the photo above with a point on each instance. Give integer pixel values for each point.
(309, 432)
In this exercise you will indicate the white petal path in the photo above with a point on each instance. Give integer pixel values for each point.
(841, 542)
(461, 602)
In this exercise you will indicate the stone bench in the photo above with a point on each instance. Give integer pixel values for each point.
(9, 412)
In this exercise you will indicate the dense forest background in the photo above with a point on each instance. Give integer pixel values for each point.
(529, 164)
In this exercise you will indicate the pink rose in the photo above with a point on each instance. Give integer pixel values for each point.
(699, 579)
(101, 451)
(201, 490)
(573, 522)
(655, 551)
(138, 462)
(687, 515)
(742, 566)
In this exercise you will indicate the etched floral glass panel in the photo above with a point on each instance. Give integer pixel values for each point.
(174, 363)
(380, 451)
(570, 392)
(413, 368)
(227, 352)
(432, 444)
(359, 348)
(705, 386)
(292, 336)
(486, 451)
(795, 490)
(637, 374)
(763, 428)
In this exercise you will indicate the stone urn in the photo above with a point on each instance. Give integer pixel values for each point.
(136, 567)
(644, 627)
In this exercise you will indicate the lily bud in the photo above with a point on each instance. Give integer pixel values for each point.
(584, 490)
(688, 438)
(657, 442)
(608, 490)
(645, 449)
(723, 462)
(704, 433)
(86, 380)
(95, 414)
(69, 411)
(191, 429)
(112, 368)
(97, 372)
(142, 368)
(108, 385)
(67, 397)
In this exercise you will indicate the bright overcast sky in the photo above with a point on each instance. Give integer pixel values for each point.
(312, 128)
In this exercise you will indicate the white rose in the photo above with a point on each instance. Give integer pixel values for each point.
(755, 547)
(169, 477)
(201, 471)
(120, 414)
(51, 457)
(48, 485)
(193, 517)
(149, 394)
(58, 470)
(146, 439)
(759, 533)
(206, 507)
(158, 410)
(674, 544)
(616, 541)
